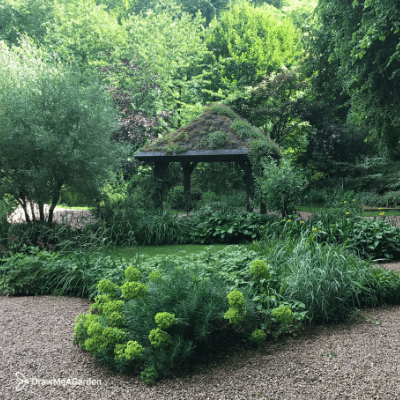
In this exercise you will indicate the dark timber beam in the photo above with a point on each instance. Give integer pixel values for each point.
(159, 169)
(249, 180)
(187, 169)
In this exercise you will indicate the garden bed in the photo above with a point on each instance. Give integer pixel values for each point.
(348, 360)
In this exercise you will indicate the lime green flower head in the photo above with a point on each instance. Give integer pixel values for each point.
(112, 306)
(260, 270)
(129, 351)
(165, 320)
(159, 338)
(258, 336)
(234, 315)
(154, 276)
(133, 290)
(116, 319)
(236, 299)
(132, 274)
(106, 286)
(95, 329)
(283, 314)
(113, 335)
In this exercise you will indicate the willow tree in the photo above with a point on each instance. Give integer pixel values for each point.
(55, 128)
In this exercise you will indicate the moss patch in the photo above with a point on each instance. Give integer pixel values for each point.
(217, 128)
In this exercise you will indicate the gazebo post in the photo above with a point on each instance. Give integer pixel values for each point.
(159, 169)
(187, 168)
(248, 179)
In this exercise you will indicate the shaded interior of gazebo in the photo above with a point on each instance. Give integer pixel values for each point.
(217, 135)
(190, 159)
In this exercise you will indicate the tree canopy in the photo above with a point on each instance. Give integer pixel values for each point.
(354, 56)
(55, 128)
(247, 43)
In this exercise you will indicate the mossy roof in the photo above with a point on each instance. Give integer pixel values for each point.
(217, 131)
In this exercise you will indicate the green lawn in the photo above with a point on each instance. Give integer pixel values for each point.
(376, 213)
(64, 206)
(130, 251)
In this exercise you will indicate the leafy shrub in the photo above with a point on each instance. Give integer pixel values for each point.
(260, 270)
(374, 199)
(177, 200)
(45, 273)
(281, 187)
(328, 197)
(370, 238)
(157, 338)
(228, 227)
(391, 199)
(71, 197)
(375, 238)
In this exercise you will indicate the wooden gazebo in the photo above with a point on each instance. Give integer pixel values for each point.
(218, 135)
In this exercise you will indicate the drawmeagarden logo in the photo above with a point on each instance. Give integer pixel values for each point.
(22, 382)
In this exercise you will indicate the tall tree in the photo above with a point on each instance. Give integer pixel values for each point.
(18, 17)
(55, 128)
(247, 44)
(167, 45)
(361, 41)
(279, 106)
(84, 33)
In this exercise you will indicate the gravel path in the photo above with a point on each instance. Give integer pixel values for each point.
(345, 361)
(36, 347)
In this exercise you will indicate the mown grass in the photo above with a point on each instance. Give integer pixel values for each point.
(327, 210)
(66, 207)
(129, 252)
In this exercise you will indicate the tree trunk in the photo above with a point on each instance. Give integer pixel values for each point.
(55, 198)
(32, 210)
(41, 212)
(22, 202)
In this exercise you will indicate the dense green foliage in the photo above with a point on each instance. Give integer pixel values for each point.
(239, 55)
(353, 56)
(281, 187)
(55, 128)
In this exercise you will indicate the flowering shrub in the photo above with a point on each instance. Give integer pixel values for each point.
(132, 328)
